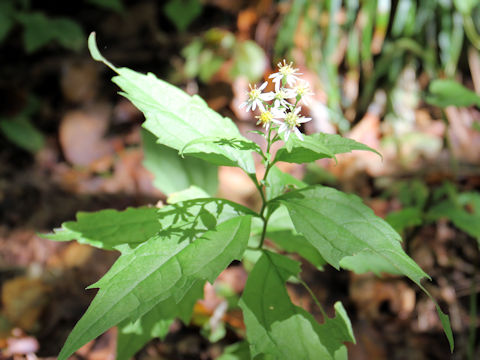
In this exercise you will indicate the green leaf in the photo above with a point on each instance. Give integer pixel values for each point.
(193, 192)
(318, 146)
(278, 182)
(468, 222)
(295, 243)
(443, 93)
(178, 119)
(174, 173)
(404, 218)
(164, 268)
(39, 30)
(107, 229)
(115, 5)
(271, 319)
(132, 336)
(249, 61)
(347, 233)
(22, 133)
(183, 12)
(237, 351)
(340, 225)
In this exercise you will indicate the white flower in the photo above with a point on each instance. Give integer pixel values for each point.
(303, 91)
(287, 72)
(291, 123)
(256, 97)
(281, 95)
(269, 116)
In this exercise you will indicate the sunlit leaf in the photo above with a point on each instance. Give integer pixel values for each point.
(178, 119)
(164, 268)
(318, 146)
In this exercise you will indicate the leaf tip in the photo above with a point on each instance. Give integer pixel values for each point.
(95, 53)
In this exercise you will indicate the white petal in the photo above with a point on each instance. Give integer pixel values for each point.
(260, 105)
(287, 134)
(263, 86)
(298, 133)
(304, 119)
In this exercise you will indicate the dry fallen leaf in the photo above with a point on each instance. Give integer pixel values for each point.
(81, 135)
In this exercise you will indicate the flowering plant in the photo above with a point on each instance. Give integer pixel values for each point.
(169, 253)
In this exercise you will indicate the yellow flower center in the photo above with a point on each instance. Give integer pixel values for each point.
(265, 117)
(291, 120)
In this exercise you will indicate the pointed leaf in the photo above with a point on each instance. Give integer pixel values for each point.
(107, 229)
(318, 146)
(445, 92)
(174, 173)
(132, 336)
(340, 225)
(347, 233)
(276, 327)
(178, 119)
(162, 268)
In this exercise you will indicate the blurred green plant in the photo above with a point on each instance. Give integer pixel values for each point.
(40, 30)
(20, 129)
(374, 40)
(205, 55)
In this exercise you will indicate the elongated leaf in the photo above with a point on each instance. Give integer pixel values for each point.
(348, 234)
(174, 173)
(23, 133)
(276, 327)
(132, 336)
(178, 119)
(445, 93)
(318, 146)
(163, 268)
(107, 229)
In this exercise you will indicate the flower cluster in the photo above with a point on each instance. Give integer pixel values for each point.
(280, 110)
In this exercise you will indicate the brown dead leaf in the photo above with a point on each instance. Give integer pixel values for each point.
(79, 81)
(81, 135)
(23, 301)
(465, 142)
(371, 295)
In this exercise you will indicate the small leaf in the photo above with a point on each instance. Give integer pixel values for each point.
(237, 351)
(318, 146)
(164, 268)
(271, 319)
(174, 173)
(278, 182)
(404, 218)
(22, 133)
(183, 12)
(443, 93)
(178, 119)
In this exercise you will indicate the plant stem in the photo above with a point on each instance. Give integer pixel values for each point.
(324, 314)
(260, 187)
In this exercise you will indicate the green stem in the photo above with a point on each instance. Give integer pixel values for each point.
(324, 314)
